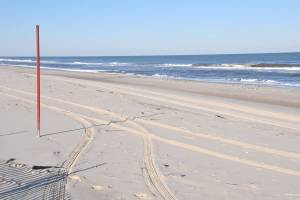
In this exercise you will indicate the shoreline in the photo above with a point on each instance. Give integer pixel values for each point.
(157, 76)
(204, 86)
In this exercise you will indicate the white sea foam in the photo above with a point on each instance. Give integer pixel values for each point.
(269, 81)
(104, 67)
(161, 76)
(27, 66)
(247, 67)
(206, 66)
(16, 60)
(111, 64)
(83, 63)
(117, 64)
(66, 63)
(73, 70)
(56, 68)
(48, 62)
(28, 61)
(288, 68)
(231, 67)
(164, 76)
(249, 80)
(175, 65)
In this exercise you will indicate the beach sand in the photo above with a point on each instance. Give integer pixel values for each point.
(134, 137)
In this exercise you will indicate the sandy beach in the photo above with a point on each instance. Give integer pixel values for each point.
(135, 137)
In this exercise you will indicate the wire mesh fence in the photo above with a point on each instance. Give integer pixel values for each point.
(19, 181)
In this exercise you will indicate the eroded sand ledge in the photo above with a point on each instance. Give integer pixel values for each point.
(144, 138)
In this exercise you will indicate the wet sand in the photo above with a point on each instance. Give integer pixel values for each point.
(133, 137)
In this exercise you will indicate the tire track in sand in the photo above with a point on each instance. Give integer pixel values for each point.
(192, 147)
(204, 151)
(195, 104)
(286, 154)
(209, 136)
(89, 136)
(74, 156)
(154, 180)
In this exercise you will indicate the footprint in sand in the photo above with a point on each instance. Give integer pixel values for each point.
(94, 187)
(98, 187)
(141, 195)
(75, 178)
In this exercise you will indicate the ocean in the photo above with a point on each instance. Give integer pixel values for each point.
(280, 69)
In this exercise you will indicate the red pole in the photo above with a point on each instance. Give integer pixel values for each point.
(38, 114)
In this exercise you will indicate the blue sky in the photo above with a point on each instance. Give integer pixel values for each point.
(152, 27)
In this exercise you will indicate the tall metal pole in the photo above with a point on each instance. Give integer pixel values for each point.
(38, 89)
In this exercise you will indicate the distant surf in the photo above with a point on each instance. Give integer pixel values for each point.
(265, 69)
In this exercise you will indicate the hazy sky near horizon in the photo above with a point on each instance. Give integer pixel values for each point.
(156, 27)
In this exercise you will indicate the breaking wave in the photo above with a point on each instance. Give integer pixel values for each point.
(246, 69)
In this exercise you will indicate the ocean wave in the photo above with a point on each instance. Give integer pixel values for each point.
(73, 70)
(225, 66)
(162, 76)
(13, 65)
(110, 64)
(82, 63)
(65, 63)
(28, 61)
(55, 68)
(275, 65)
(268, 82)
(204, 66)
(117, 64)
(284, 67)
(175, 65)
(241, 65)
(255, 81)
(250, 67)
(16, 60)
(250, 80)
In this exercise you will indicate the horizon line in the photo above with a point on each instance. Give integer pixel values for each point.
(149, 55)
